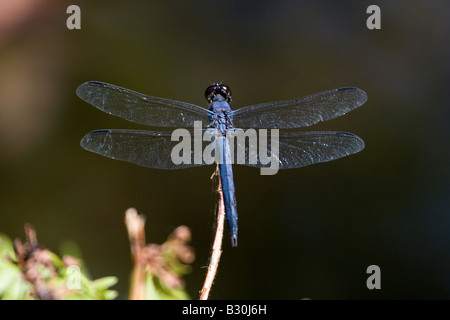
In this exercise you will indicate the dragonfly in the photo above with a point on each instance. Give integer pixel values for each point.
(155, 149)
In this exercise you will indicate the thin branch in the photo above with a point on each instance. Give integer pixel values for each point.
(136, 233)
(217, 245)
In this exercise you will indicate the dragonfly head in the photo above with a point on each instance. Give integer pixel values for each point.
(218, 91)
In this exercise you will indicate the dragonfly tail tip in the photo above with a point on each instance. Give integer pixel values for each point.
(234, 240)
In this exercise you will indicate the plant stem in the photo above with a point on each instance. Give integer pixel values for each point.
(217, 245)
(136, 233)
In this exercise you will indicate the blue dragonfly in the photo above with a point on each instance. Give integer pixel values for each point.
(155, 149)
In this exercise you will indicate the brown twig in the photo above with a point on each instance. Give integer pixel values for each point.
(164, 262)
(217, 246)
(136, 233)
(37, 265)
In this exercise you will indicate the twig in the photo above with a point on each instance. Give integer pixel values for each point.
(217, 246)
(136, 233)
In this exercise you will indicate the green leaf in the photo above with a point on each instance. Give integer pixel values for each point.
(156, 290)
(110, 294)
(105, 282)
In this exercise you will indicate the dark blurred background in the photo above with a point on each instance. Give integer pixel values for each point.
(309, 232)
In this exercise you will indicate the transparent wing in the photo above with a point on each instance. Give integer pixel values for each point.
(140, 108)
(155, 149)
(301, 112)
(298, 149)
(152, 149)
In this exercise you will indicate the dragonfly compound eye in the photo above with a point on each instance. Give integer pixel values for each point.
(218, 88)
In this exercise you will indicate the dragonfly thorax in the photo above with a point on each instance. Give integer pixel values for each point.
(221, 118)
(220, 106)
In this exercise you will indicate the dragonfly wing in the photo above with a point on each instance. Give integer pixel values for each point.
(301, 112)
(152, 149)
(300, 149)
(140, 108)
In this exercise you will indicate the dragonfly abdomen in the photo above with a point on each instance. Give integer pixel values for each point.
(226, 177)
(228, 190)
